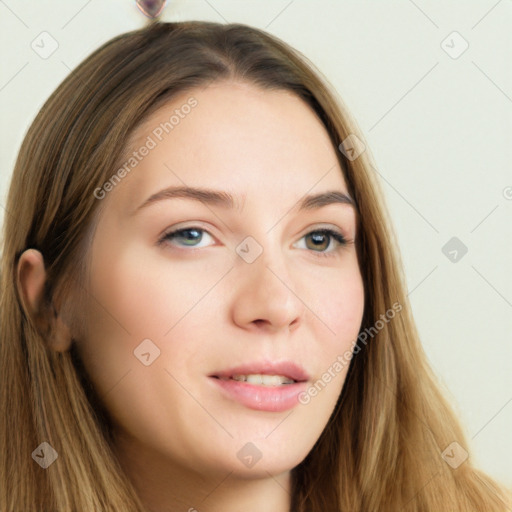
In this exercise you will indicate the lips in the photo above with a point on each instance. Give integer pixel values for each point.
(262, 392)
(287, 369)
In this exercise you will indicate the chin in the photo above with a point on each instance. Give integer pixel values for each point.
(264, 469)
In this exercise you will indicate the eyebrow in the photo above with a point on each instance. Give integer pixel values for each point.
(226, 200)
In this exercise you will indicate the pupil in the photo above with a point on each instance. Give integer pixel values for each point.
(318, 239)
(196, 235)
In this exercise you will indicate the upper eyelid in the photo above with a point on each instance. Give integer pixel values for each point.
(319, 227)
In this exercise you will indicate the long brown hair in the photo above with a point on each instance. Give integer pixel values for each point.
(382, 447)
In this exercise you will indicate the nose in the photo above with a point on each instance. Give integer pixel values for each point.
(265, 297)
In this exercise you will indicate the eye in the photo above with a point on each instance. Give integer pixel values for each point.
(324, 241)
(186, 237)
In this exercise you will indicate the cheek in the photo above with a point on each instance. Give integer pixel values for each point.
(135, 298)
(341, 302)
(342, 307)
(147, 296)
(345, 308)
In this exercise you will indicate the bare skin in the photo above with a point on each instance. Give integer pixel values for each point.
(208, 309)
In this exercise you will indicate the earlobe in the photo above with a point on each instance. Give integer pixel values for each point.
(31, 275)
(60, 335)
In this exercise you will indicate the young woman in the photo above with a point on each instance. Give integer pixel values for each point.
(203, 307)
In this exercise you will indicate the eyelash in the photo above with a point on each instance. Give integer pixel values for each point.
(339, 239)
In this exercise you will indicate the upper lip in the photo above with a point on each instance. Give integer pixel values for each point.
(287, 369)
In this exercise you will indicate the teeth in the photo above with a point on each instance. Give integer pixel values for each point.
(263, 380)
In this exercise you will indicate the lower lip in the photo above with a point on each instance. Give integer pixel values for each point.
(262, 398)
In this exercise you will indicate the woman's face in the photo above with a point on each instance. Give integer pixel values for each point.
(244, 286)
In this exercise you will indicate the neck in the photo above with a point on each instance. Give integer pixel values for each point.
(168, 486)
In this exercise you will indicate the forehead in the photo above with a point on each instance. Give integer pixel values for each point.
(234, 136)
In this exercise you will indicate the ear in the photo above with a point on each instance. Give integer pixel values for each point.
(31, 283)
